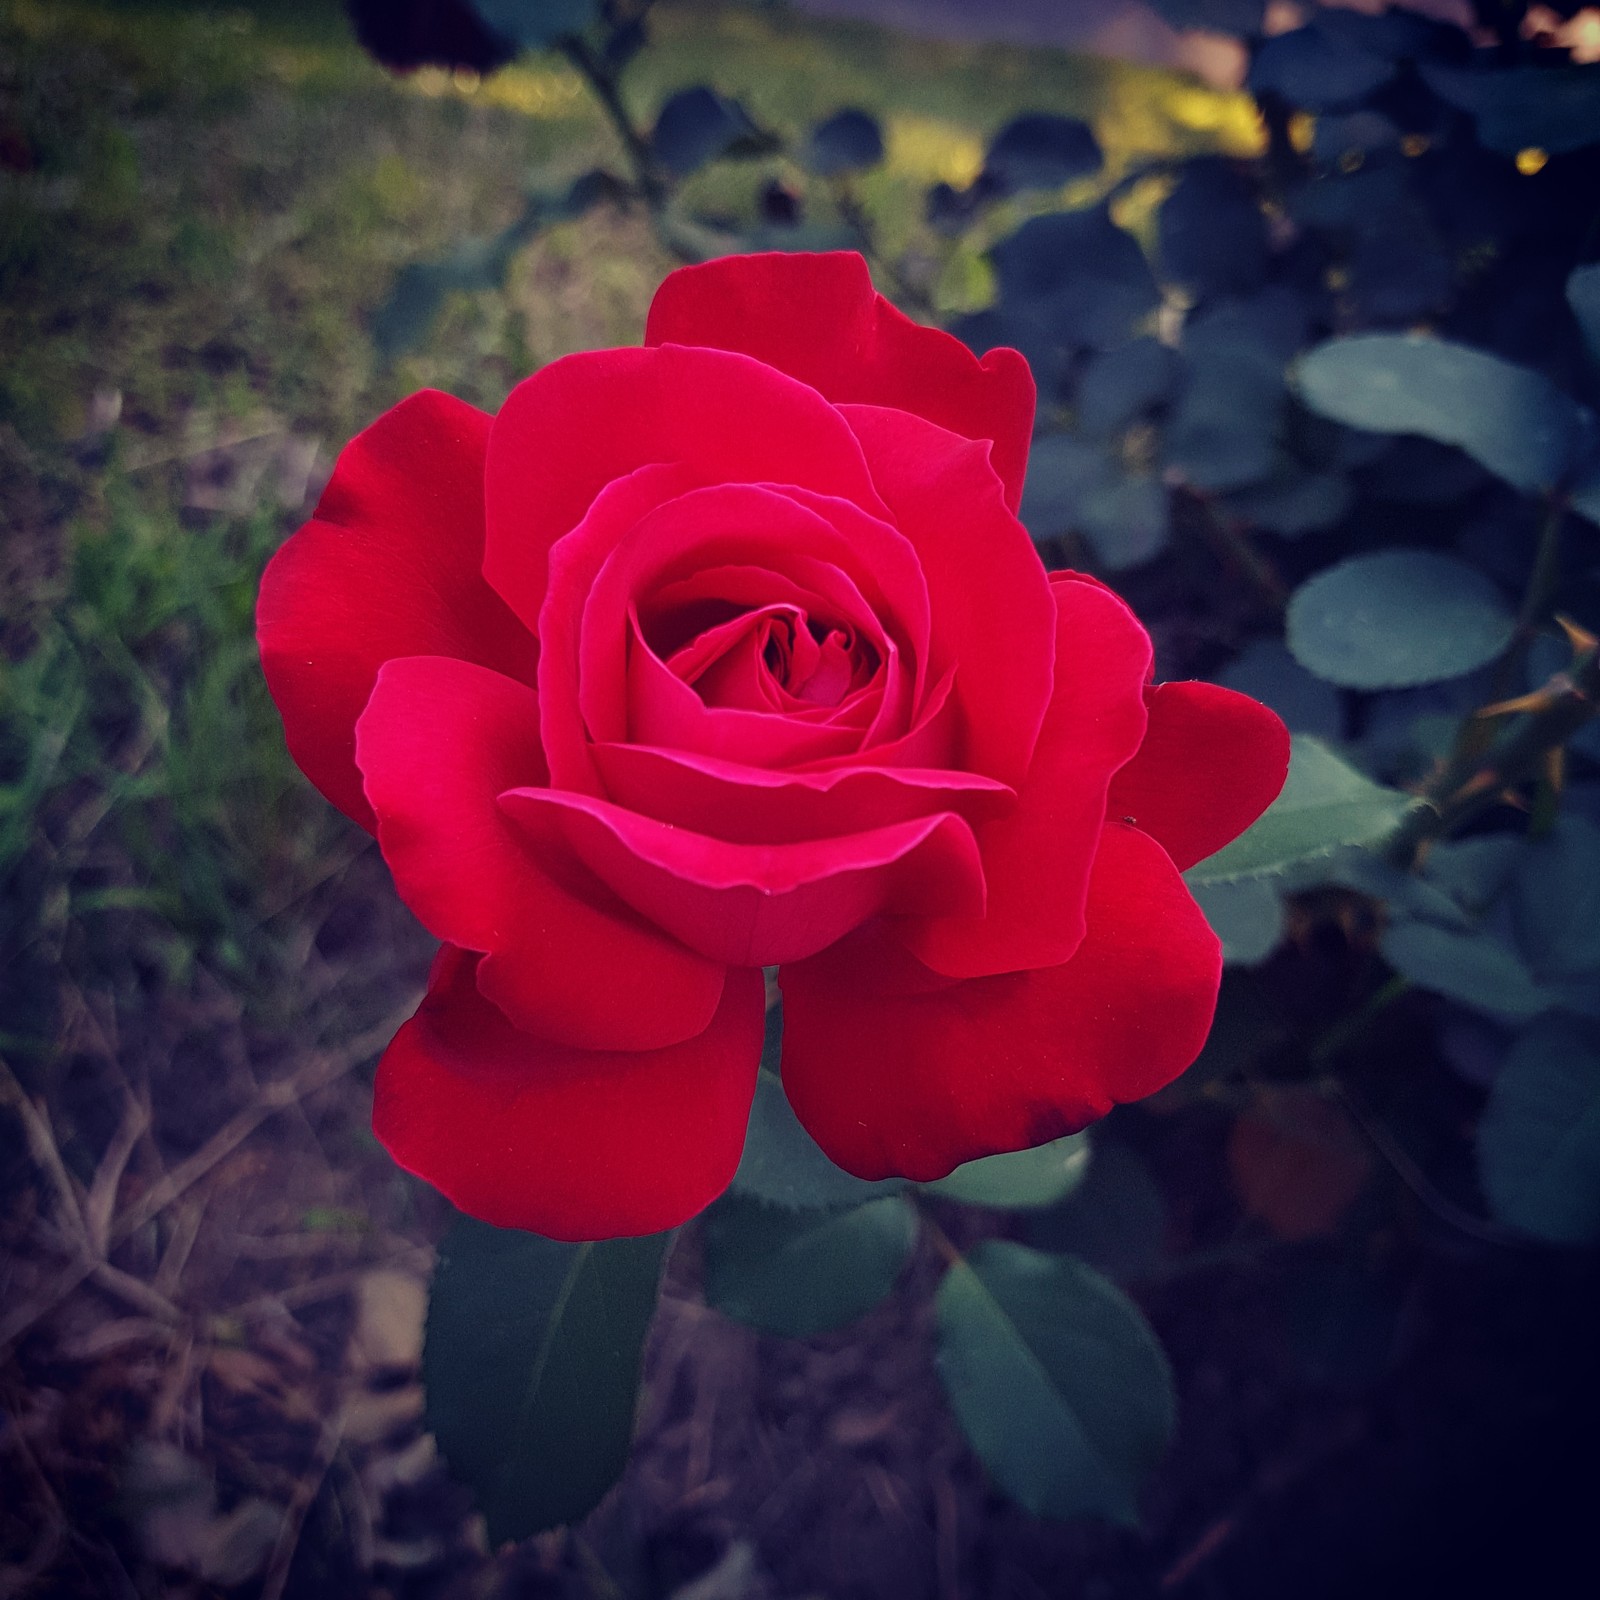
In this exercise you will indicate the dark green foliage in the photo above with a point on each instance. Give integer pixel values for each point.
(1397, 618)
(848, 141)
(533, 24)
(531, 1365)
(804, 1272)
(696, 126)
(1056, 1379)
(1539, 1143)
(1040, 151)
(1026, 1180)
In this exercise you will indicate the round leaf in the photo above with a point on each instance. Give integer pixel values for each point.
(1315, 72)
(848, 141)
(1056, 1379)
(1472, 967)
(1539, 1140)
(1512, 420)
(1039, 150)
(1397, 619)
(1022, 1180)
(531, 1365)
(800, 1273)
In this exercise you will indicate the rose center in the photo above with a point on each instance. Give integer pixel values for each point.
(775, 658)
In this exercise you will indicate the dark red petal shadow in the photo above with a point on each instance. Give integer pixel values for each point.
(758, 904)
(818, 318)
(897, 1071)
(573, 1144)
(1212, 761)
(390, 565)
(438, 742)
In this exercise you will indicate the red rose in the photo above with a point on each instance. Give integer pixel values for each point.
(730, 652)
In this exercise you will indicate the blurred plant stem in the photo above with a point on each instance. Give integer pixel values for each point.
(1472, 782)
(603, 82)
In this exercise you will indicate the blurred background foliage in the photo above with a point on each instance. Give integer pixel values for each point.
(1319, 363)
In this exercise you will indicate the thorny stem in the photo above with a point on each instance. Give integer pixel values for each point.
(1473, 781)
(855, 218)
(1235, 550)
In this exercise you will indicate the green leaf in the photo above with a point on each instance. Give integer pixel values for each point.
(1396, 619)
(1023, 1180)
(1555, 901)
(1056, 1379)
(531, 1366)
(1539, 1140)
(848, 141)
(1247, 916)
(533, 24)
(1583, 295)
(1325, 805)
(1471, 966)
(1511, 419)
(1554, 108)
(782, 1164)
(800, 1273)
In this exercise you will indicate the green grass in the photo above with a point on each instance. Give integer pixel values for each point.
(200, 211)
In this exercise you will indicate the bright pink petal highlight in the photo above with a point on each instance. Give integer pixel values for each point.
(1212, 762)
(439, 740)
(755, 905)
(818, 318)
(390, 565)
(573, 1144)
(943, 1071)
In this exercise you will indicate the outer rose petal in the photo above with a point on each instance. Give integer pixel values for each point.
(818, 318)
(390, 565)
(756, 905)
(1036, 861)
(439, 740)
(589, 419)
(994, 618)
(1212, 761)
(897, 1071)
(573, 1144)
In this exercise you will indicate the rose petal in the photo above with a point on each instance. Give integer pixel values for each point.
(1212, 761)
(390, 565)
(439, 740)
(1037, 859)
(755, 905)
(993, 615)
(818, 318)
(752, 805)
(589, 419)
(573, 1144)
(895, 1070)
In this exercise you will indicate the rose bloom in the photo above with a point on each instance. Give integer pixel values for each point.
(730, 652)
